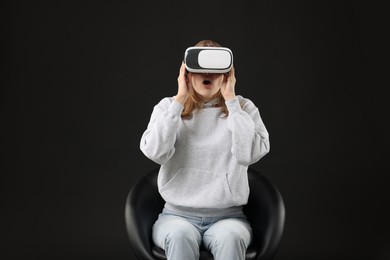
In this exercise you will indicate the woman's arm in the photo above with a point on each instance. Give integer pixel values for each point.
(157, 142)
(250, 137)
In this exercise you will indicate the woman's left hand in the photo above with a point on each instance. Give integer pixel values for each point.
(228, 86)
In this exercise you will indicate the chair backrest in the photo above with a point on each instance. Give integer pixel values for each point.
(265, 211)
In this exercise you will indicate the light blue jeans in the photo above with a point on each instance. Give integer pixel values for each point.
(227, 238)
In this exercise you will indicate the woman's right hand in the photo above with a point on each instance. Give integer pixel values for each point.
(183, 85)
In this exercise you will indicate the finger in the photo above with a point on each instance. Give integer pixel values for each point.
(182, 73)
(182, 68)
(231, 72)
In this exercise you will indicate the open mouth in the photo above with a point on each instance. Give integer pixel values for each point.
(206, 82)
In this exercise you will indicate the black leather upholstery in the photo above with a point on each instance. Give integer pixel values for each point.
(265, 211)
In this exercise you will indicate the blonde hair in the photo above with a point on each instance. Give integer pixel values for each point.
(194, 101)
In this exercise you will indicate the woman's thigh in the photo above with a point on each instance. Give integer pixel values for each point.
(228, 229)
(169, 227)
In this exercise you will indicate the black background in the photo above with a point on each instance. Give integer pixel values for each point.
(80, 79)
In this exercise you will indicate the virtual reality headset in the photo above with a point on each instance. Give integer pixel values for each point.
(208, 59)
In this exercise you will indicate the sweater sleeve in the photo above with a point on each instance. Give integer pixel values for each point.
(157, 142)
(250, 137)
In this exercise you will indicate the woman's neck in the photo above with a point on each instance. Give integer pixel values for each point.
(208, 99)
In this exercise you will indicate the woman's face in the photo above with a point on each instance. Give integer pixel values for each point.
(206, 85)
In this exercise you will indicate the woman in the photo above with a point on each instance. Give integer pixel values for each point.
(205, 138)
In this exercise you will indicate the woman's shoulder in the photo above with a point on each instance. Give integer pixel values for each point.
(165, 102)
(245, 102)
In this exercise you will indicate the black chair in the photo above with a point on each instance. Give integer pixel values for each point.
(265, 211)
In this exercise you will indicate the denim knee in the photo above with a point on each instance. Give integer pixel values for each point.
(182, 234)
(179, 238)
(229, 238)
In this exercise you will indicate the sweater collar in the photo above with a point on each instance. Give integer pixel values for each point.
(211, 103)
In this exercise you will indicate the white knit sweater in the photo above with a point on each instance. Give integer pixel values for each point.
(204, 159)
